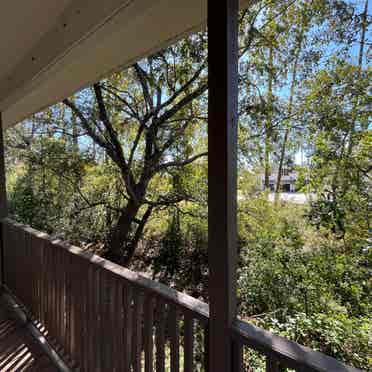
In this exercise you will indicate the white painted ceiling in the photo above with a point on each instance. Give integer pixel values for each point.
(22, 24)
(49, 49)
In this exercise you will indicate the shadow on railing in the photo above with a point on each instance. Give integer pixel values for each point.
(108, 318)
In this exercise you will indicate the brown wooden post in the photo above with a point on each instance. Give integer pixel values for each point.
(3, 199)
(222, 179)
(3, 203)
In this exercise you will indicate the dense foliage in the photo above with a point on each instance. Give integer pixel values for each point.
(121, 169)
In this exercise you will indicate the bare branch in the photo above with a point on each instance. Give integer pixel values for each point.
(182, 103)
(143, 79)
(184, 87)
(85, 123)
(181, 163)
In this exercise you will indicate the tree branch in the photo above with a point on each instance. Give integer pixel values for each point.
(180, 163)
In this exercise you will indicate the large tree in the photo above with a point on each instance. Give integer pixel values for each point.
(139, 118)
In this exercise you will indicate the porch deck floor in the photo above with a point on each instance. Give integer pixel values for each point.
(18, 350)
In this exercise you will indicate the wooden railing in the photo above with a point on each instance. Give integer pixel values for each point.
(108, 318)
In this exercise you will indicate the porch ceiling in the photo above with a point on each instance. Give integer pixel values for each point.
(50, 49)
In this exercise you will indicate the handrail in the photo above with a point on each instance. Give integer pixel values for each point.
(138, 311)
(288, 353)
(199, 308)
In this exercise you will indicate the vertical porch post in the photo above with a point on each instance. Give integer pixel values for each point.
(3, 202)
(3, 199)
(222, 179)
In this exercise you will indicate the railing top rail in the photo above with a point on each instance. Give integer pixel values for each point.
(199, 309)
(290, 353)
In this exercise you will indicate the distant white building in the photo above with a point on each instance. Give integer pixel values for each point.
(287, 182)
(288, 190)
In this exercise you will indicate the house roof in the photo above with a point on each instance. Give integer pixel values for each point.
(50, 49)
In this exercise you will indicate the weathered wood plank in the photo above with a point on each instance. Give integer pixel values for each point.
(149, 334)
(90, 337)
(118, 318)
(222, 178)
(188, 343)
(97, 324)
(174, 338)
(206, 347)
(160, 335)
(137, 331)
(238, 365)
(127, 307)
(272, 365)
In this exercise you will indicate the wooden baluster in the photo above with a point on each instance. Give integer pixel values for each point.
(109, 329)
(97, 316)
(20, 265)
(33, 269)
(118, 325)
(237, 357)
(89, 339)
(72, 312)
(148, 333)
(49, 326)
(84, 314)
(15, 252)
(76, 305)
(114, 326)
(189, 343)
(43, 295)
(272, 365)
(10, 264)
(4, 236)
(7, 254)
(137, 330)
(15, 255)
(68, 278)
(36, 248)
(55, 292)
(53, 279)
(27, 284)
(160, 336)
(127, 305)
(63, 297)
(206, 347)
(48, 287)
(62, 265)
(58, 309)
(102, 320)
(174, 338)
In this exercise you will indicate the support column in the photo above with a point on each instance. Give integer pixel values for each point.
(3, 200)
(222, 179)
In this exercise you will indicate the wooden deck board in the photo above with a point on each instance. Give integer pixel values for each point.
(18, 351)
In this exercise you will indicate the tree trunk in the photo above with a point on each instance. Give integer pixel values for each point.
(364, 26)
(290, 109)
(268, 128)
(123, 239)
(119, 248)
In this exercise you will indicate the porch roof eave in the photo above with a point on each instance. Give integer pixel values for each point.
(78, 43)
